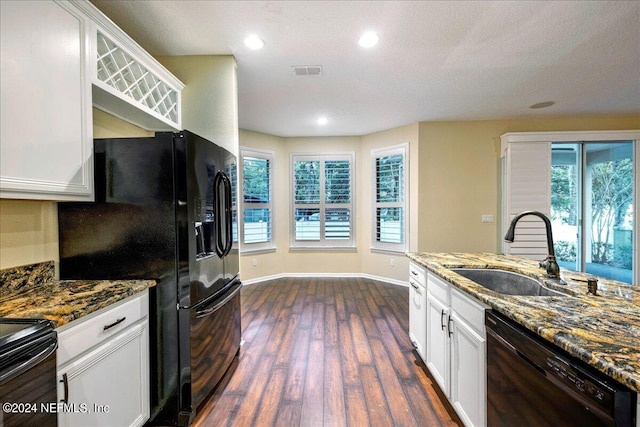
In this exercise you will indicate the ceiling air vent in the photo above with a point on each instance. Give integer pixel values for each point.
(307, 70)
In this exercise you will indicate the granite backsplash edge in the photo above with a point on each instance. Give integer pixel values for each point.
(26, 277)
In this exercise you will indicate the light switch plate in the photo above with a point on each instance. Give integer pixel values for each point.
(487, 218)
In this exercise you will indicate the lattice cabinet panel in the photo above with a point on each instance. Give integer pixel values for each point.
(118, 69)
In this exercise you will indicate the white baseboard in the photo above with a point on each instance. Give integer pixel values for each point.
(336, 275)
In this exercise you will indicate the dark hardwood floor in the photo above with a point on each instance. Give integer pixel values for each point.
(326, 352)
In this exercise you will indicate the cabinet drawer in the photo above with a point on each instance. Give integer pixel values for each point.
(418, 274)
(438, 288)
(80, 335)
(470, 309)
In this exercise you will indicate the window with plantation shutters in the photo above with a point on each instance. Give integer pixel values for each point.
(257, 200)
(389, 199)
(322, 209)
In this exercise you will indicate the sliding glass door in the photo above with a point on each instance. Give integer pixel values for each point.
(592, 199)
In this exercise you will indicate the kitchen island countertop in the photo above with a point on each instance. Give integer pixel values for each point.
(603, 330)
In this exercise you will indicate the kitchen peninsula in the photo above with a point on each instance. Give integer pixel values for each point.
(603, 330)
(503, 341)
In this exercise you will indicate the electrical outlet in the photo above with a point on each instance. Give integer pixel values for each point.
(254, 261)
(487, 218)
(392, 262)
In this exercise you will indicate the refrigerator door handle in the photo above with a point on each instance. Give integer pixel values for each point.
(218, 213)
(228, 214)
(215, 307)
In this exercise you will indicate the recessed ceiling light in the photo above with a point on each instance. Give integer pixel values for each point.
(368, 39)
(253, 42)
(544, 104)
(322, 121)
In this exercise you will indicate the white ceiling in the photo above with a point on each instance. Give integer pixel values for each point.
(436, 60)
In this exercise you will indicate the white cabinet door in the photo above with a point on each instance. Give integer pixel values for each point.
(468, 373)
(418, 317)
(46, 125)
(456, 349)
(107, 386)
(438, 342)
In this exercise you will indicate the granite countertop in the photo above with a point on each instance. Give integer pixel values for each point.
(602, 330)
(30, 292)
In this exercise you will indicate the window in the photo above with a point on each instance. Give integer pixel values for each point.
(231, 169)
(389, 199)
(592, 207)
(257, 200)
(322, 201)
(587, 184)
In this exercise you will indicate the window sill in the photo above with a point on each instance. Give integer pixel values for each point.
(247, 251)
(388, 251)
(323, 249)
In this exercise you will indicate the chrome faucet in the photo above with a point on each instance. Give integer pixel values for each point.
(550, 264)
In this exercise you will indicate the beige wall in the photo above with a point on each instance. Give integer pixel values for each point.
(387, 264)
(362, 260)
(460, 177)
(209, 99)
(28, 232)
(107, 126)
(282, 259)
(454, 179)
(29, 229)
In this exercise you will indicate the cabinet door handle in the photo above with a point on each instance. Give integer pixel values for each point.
(415, 273)
(116, 323)
(442, 320)
(449, 326)
(65, 384)
(414, 287)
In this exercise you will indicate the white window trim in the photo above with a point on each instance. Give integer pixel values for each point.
(377, 246)
(322, 244)
(256, 246)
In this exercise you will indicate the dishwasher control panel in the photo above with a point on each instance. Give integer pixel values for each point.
(579, 381)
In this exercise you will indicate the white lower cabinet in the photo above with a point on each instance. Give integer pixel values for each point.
(456, 349)
(103, 367)
(468, 364)
(418, 309)
(437, 359)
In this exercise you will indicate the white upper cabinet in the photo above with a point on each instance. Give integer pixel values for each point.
(46, 130)
(58, 59)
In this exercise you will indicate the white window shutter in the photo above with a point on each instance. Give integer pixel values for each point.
(528, 187)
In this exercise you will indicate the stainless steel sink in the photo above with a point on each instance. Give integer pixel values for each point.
(506, 282)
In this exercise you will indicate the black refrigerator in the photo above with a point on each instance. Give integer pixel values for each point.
(165, 209)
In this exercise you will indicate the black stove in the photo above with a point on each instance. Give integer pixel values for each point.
(27, 371)
(15, 331)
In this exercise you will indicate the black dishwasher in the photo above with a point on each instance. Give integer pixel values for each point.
(531, 382)
(28, 373)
